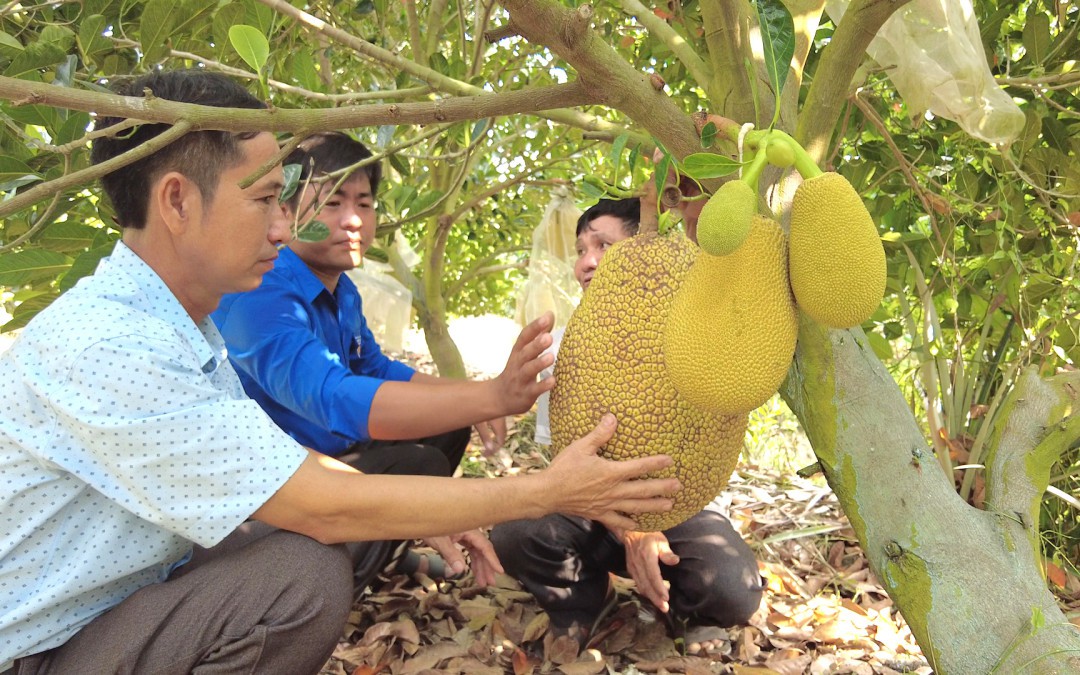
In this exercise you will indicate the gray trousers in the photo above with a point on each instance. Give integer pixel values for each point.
(262, 601)
(564, 561)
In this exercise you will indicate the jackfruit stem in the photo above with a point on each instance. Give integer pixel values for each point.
(752, 173)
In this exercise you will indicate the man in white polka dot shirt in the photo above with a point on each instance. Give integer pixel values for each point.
(129, 455)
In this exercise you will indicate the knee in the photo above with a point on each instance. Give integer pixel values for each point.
(312, 577)
(721, 599)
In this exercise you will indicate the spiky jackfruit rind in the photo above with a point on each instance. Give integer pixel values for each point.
(611, 360)
(725, 219)
(837, 262)
(731, 332)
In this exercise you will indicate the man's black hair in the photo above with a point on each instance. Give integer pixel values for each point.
(329, 151)
(199, 155)
(626, 210)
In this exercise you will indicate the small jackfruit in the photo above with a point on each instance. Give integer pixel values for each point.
(611, 360)
(780, 153)
(730, 336)
(837, 261)
(725, 218)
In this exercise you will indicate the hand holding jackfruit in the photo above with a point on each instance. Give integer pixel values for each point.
(837, 261)
(730, 336)
(611, 360)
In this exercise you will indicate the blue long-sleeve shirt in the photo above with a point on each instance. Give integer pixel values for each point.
(306, 355)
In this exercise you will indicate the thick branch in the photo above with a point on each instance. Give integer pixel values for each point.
(839, 61)
(727, 37)
(619, 85)
(432, 77)
(1038, 422)
(58, 185)
(678, 45)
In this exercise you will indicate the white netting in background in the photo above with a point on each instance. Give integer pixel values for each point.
(550, 283)
(932, 53)
(387, 302)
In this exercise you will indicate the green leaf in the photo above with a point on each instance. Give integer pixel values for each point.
(251, 45)
(27, 310)
(400, 165)
(704, 165)
(67, 237)
(155, 27)
(292, 181)
(617, 148)
(35, 57)
(225, 18)
(9, 46)
(315, 230)
(778, 42)
(92, 40)
(11, 168)
(24, 267)
(85, 264)
(708, 135)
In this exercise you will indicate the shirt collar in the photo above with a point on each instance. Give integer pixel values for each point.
(310, 285)
(203, 337)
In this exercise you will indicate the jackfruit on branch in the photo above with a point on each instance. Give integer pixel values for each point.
(725, 219)
(731, 333)
(611, 360)
(837, 261)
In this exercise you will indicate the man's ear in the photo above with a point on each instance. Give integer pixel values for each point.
(175, 200)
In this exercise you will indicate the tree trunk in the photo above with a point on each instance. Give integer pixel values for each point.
(968, 582)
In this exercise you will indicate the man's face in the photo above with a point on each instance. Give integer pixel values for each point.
(349, 213)
(594, 240)
(233, 242)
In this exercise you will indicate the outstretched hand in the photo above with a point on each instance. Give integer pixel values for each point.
(587, 485)
(517, 384)
(482, 558)
(644, 553)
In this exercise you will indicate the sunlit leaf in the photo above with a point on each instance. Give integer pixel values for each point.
(251, 45)
(704, 165)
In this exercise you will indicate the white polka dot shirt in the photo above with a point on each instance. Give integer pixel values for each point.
(125, 436)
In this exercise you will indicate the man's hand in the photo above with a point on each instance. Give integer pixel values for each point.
(587, 485)
(517, 387)
(485, 564)
(644, 553)
(492, 434)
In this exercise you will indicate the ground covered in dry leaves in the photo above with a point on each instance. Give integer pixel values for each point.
(823, 611)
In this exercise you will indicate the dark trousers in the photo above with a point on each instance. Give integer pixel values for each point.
(564, 561)
(432, 456)
(262, 601)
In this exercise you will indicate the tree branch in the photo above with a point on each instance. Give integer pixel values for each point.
(44, 190)
(727, 38)
(477, 272)
(699, 69)
(616, 82)
(1038, 423)
(836, 68)
(432, 77)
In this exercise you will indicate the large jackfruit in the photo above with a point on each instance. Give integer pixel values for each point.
(731, 333)
(837, 261)
(611, 360)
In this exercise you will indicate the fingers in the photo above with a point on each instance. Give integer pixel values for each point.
(498, 429)
(601, 434)
(483, 430)
(539, 328)
(643, 465)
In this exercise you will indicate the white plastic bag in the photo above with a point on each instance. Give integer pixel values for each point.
(387, 302)
(551, 285)
(932, 53)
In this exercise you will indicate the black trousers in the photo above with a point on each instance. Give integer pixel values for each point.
(564, 561)
(432, 456)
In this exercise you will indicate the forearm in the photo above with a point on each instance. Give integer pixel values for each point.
(403, 410)
(375, 507)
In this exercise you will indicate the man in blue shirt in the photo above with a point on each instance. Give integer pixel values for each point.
(130, 456)
(303, 350)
